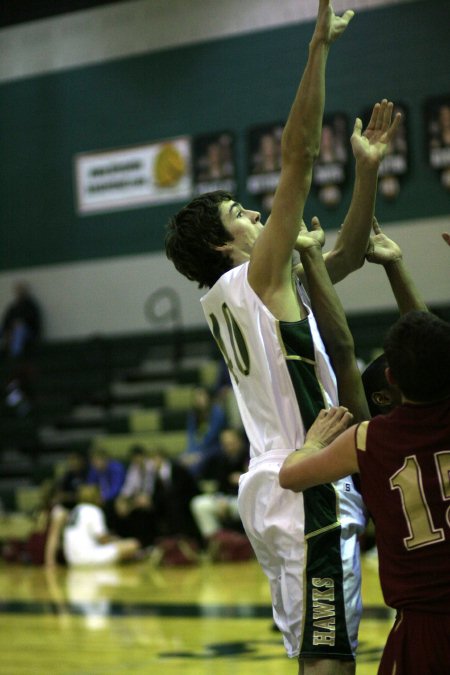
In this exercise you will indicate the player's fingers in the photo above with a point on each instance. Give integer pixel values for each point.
(348, 16)
(337, 412)
(357, 129)
(339, 419)
(387, 115)
(380, 117)
(347, 419)
(375, 226)
(315, 223)
(394, 126)
(373, 118)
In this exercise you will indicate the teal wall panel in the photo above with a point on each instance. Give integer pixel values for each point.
(401, 52)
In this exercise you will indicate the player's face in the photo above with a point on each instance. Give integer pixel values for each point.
(244, 225)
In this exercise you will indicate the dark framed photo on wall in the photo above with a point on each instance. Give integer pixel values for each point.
(437, 134)
(331, 166)
(264, 161)
(214, 165)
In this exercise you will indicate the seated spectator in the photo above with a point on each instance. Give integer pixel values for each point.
(217, 508)
(86, 540)
(173, 491)
(205, 421)
(134, 506)
(21, 323)
(154, 501)
(108, 474)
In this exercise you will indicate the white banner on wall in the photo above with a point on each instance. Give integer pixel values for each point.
(155, 173)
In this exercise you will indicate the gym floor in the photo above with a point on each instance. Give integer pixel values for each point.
(141, 620)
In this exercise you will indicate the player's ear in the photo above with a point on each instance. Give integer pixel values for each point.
(223, 248)
(382, 398)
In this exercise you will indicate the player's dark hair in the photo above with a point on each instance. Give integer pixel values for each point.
(191, 235)
(417, 349)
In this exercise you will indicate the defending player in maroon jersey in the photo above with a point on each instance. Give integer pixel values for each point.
(404, 463)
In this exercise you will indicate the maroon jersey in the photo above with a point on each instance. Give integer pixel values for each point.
(404, 462)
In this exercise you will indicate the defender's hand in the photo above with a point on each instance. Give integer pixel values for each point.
(381, 249)
(308, 238)
(327, 426)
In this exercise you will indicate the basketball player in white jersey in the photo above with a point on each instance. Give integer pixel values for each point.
(281, 375)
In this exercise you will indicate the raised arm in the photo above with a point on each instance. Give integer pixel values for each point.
(369, 149)
(270, 263)
(332, 322)
(384, 251)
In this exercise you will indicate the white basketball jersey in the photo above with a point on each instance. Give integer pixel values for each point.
(280, 372)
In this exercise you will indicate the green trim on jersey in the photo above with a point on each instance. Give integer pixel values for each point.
(321, 501)
(298, 346)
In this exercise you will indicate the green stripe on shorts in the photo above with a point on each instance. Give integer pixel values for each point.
(325, 630)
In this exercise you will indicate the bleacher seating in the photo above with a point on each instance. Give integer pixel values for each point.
(109, 391)
(118, 391)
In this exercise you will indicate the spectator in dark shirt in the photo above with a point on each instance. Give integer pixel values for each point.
(174, 489)
(21, 323)
(217, 507)
(134, 507)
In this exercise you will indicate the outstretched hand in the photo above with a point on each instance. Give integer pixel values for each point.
(446, 237)
(381, 249)
(308, 238)
(327, 426)
(329, 26)
(371, 146)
